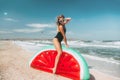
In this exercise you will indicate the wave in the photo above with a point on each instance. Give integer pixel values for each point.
(73, 43)
(94, 44)
(108, 60)
(30, 46)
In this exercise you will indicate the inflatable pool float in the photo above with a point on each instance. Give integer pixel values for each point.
(71, 63)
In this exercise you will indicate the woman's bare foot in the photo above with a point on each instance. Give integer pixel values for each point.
(54, 70)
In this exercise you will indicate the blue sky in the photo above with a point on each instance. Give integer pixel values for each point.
(91, 19)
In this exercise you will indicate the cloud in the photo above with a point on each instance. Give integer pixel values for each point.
(27, 30)
(10, 19)
(5, 32)
(38, 25)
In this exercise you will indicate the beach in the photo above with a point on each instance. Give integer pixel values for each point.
(14, 65)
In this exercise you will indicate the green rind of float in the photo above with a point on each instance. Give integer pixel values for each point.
(86, 74)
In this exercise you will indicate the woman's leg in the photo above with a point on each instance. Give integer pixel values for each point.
(59, 50)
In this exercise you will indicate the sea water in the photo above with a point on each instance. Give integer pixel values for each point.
(101, 55)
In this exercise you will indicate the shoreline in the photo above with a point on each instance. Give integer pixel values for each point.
(107, 67)
(14, 65)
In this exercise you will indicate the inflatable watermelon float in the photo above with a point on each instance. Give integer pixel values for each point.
(71, 64)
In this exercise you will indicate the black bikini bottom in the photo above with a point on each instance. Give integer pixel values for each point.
(59, 37)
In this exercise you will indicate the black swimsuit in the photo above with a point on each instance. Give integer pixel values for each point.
(59, 35)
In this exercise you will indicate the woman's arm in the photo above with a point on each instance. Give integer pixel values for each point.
(64, 36)
(65, 22)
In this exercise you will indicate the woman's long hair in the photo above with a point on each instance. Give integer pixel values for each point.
(58, 19)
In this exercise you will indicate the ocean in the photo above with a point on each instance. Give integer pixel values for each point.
(101, 55)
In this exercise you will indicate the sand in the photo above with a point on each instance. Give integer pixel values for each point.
(14, 65)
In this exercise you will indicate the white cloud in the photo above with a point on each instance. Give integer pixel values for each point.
(10, 19)
(5, 32)
(38, 25)
(27, 30)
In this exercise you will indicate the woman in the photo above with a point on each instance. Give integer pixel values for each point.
(61, 35)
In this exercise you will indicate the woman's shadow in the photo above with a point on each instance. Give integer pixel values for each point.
(91, 76)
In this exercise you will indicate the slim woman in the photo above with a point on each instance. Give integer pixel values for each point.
(61, 35)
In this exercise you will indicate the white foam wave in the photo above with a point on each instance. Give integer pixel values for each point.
(114, 43)
(75, 43)
(46, 41)
(101, 59)
(29, 46)
(33, 47)
(94, 44)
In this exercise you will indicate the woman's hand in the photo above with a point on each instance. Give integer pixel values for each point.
(66, 45)
(68, 19)
(65, 40)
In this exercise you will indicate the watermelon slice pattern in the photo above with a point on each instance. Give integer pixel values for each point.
(71, 64)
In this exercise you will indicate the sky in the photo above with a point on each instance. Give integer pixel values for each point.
(36, 19)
